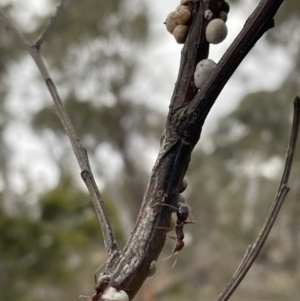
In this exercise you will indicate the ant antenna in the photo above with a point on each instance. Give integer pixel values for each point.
(170, 256)
(101, 266)
(175, 261)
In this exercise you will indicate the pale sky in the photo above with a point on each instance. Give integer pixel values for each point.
(154, 80)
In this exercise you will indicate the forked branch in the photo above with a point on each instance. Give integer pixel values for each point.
(49, 25)
(79, 150)
(128, 269)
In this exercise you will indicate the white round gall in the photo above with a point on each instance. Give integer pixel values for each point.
(112, 294)
(203, 71)
(216, 31)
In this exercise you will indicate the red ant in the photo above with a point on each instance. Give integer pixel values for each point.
(182, 215)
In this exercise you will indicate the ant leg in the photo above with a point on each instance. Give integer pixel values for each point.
(159, 204)
(174, 262)
(85, 297)
(171, 206)
(166, 229)
(171, 225)
(191, 221)
(170, 256)
(196, 220)
(95, 275)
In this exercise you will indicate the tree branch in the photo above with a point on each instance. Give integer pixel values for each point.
(257, 24)
(128, 268)
(79, 150)
(254, 249)
(48, 27)
(188, 111)
(190, 115)
(292, 144)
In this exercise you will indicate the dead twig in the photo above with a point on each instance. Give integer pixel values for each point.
(80, 152)
(254, 249)
(49, 25)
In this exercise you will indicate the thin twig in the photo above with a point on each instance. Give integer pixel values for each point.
(293, 141)
(253, 250)
(49, 25)
(79, 150)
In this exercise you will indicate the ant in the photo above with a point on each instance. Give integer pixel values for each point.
(182, 213)
(182, 216)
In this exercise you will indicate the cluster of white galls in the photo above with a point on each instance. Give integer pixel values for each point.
(112, 294)
(215, 33)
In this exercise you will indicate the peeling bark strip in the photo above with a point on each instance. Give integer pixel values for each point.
(129, 268)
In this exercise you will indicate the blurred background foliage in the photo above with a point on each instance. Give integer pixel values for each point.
(51, 242)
